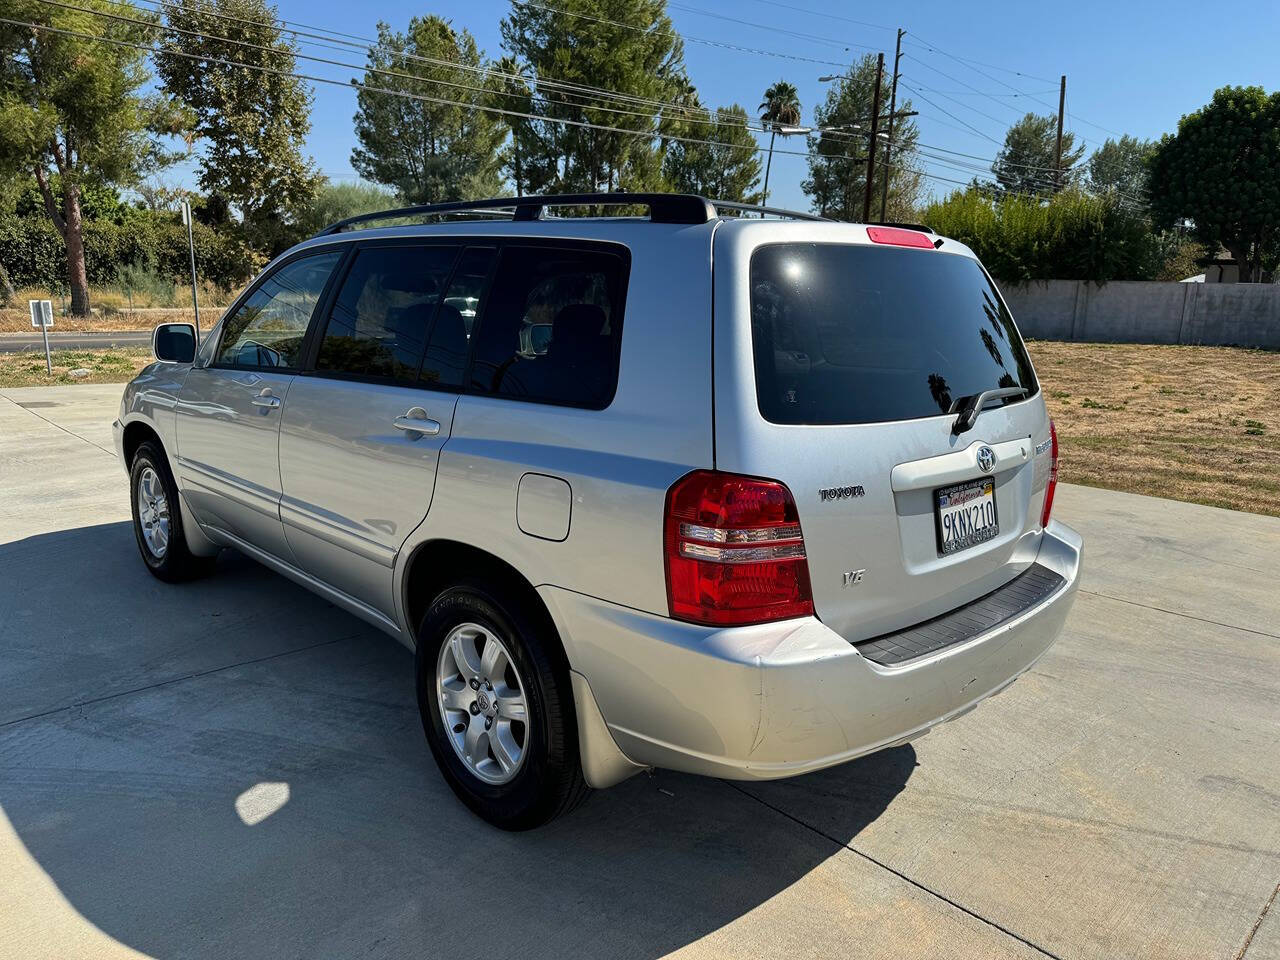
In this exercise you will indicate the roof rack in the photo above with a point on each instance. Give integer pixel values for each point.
(663, 208)
(772, 211)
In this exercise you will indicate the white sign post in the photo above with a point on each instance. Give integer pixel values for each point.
(191, 246)
(42, 317)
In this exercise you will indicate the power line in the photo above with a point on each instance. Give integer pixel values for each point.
(353, 84)
(812, 37)
(713, 119)
(934, 48)
(829, 16)
(972, 88)
(950, 114)
(967, 106)
(673, 33)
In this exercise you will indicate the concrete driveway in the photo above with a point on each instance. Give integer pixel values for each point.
(234, 768)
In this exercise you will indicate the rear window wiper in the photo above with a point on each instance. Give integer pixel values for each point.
(968, 408)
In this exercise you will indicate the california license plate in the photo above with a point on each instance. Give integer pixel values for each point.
(966, 515)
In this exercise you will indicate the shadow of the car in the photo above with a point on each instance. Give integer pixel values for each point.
(246, 775)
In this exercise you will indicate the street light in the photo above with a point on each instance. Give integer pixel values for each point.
(786, 130)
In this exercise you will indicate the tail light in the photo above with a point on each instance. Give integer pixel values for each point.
(1053, 475)
(734, 551)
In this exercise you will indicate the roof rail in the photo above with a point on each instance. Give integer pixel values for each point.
(773, 211)
(902, 226)
(663, 208)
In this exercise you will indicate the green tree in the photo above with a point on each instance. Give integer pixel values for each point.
(513, 92)
(428, 152)
(252, 123)
(780, 112)
(631, 49)
(727, 167)
(73, 115)
(1121, 166)
(837, 179)
(1221, 172)
(1027, 161)
(337, 201)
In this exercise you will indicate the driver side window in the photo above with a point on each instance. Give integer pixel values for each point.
(269, 327)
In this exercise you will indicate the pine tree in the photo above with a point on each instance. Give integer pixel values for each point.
(630, 49)
(429, 152)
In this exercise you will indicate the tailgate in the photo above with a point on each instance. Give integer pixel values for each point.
(840, 368)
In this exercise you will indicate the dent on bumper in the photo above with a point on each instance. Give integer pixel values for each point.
(781, 699)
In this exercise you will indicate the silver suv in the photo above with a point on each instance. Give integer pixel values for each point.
(714, 489)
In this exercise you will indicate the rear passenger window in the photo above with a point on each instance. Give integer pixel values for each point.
(383, 315)
(552, 326)
(446, 360)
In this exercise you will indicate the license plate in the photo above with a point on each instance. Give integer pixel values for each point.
(966, 515)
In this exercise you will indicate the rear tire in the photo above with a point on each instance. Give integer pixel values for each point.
(157, 519)
(497, 708)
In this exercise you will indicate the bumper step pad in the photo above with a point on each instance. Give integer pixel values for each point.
(1029, 588)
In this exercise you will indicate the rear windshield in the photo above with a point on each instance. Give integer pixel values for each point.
(857, 334)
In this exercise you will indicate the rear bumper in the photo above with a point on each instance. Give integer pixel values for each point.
(777, 700)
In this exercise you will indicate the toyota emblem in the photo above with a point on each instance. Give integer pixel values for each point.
(986, 459)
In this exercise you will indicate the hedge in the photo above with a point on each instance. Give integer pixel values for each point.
(1073, 236)
(33, 252)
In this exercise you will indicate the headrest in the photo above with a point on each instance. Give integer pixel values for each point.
(578, 320)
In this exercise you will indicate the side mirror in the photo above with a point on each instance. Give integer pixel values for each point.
(174, 342)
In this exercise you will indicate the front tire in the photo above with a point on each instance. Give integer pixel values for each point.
(496, 707)
(157, 519)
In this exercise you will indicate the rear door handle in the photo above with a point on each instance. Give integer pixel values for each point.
(416, 421)
(265, 399)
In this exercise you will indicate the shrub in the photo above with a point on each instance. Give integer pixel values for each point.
(34, 254)
(1072, 236)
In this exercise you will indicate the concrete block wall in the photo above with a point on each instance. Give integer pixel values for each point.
(1140, 311)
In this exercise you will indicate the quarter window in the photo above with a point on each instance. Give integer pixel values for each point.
(268, 328)
(382, 316)
(552, 326)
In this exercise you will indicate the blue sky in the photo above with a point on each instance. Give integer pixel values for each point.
(1132, 67)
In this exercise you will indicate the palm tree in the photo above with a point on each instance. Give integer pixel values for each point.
(779, 110)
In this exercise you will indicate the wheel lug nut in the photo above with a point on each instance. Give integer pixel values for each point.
(475, 684)
(488, 723)
(474, 708)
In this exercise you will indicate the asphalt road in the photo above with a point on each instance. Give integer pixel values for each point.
(18, 343)
(235, 768)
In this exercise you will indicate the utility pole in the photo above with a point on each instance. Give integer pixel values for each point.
(871, 152)
(1057, 163)
(893, 105)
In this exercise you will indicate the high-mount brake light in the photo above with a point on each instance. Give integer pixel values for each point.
(896, 236)
(734, 551)
(1053, 476)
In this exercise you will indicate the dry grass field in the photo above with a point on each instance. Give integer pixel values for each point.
(14, 320)
(1191, 423)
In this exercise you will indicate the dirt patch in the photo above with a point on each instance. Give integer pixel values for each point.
(1200, 424)
(27, 369)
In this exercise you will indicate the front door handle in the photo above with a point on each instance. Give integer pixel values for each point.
(416, 421)
(265, 399)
